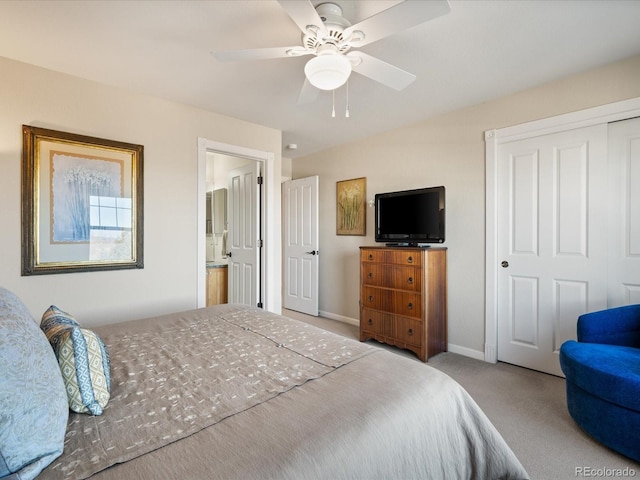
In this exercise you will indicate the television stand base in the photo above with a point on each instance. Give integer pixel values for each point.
(414, 245)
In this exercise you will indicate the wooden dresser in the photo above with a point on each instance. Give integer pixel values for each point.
(403, 298)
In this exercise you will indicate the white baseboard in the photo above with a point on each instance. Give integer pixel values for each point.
(332, 316)
(467, 352)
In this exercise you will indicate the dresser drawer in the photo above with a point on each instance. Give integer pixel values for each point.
(409, 331)
(376, 298)
(373, 274)
(405, 278)
(376, 322)
(372, 256)
(405, 257)
(392, 301)
(391, 276)
(407, 303)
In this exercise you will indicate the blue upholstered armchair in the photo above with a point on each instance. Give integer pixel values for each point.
(603, 377)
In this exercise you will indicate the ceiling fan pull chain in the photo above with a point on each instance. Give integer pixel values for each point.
(346, 113)
(333, 104)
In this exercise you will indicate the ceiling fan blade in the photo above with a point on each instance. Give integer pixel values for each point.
(308, 93)
(261, 53)
(303, 14)
(380, 71)
(395, 19)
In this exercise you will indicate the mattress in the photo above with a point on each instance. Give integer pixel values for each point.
(234, 392)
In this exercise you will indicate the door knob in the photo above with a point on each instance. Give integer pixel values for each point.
(312, 252)
(228, 254)
(504, 264)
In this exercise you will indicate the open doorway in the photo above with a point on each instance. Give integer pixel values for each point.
(269, 233)
(233, 230)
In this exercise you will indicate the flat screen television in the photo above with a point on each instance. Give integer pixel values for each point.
(410, 217)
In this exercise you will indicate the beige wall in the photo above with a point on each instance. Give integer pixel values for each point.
(445, 150)
(169, 133)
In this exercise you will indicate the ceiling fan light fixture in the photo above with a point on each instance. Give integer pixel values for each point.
(328, 72)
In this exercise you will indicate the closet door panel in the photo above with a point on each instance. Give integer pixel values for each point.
(624, 212)
(551, 241)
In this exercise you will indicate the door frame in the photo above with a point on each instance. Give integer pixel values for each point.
(271, 235)
(592, 116)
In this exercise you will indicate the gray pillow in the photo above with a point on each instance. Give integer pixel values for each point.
(34, 403)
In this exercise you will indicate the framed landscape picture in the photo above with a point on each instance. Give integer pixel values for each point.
(81, 203)
(350, 207)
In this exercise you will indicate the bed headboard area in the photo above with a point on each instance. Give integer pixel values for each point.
(229, 391)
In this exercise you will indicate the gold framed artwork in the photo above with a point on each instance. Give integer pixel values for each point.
(82, 201)
(350, 203)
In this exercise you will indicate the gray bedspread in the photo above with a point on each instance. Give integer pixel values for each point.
(233, 392)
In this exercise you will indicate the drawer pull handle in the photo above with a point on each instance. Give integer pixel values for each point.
(370, 322)
(371, 298)
(370, 275)
(410, 260)
(370, 256)
(410, 280)
(410, 306)
(410, 332)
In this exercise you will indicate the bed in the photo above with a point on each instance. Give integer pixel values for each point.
(235, 392)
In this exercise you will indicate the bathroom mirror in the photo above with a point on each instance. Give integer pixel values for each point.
(219, 210)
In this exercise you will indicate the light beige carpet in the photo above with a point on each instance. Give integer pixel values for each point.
(527, 407)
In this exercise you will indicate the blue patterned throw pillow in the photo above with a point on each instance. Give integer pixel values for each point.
(83, 360)
(33, 404)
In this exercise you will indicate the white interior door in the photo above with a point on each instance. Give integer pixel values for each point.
(243, 240)
(551, 241)
(300, 216)
(624, 213)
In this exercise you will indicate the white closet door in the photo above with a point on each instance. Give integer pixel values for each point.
(552, 241)
(624, 213)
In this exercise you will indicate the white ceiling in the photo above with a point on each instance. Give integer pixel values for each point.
(482, 49)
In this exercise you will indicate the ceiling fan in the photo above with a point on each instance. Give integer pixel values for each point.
(329, 37)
